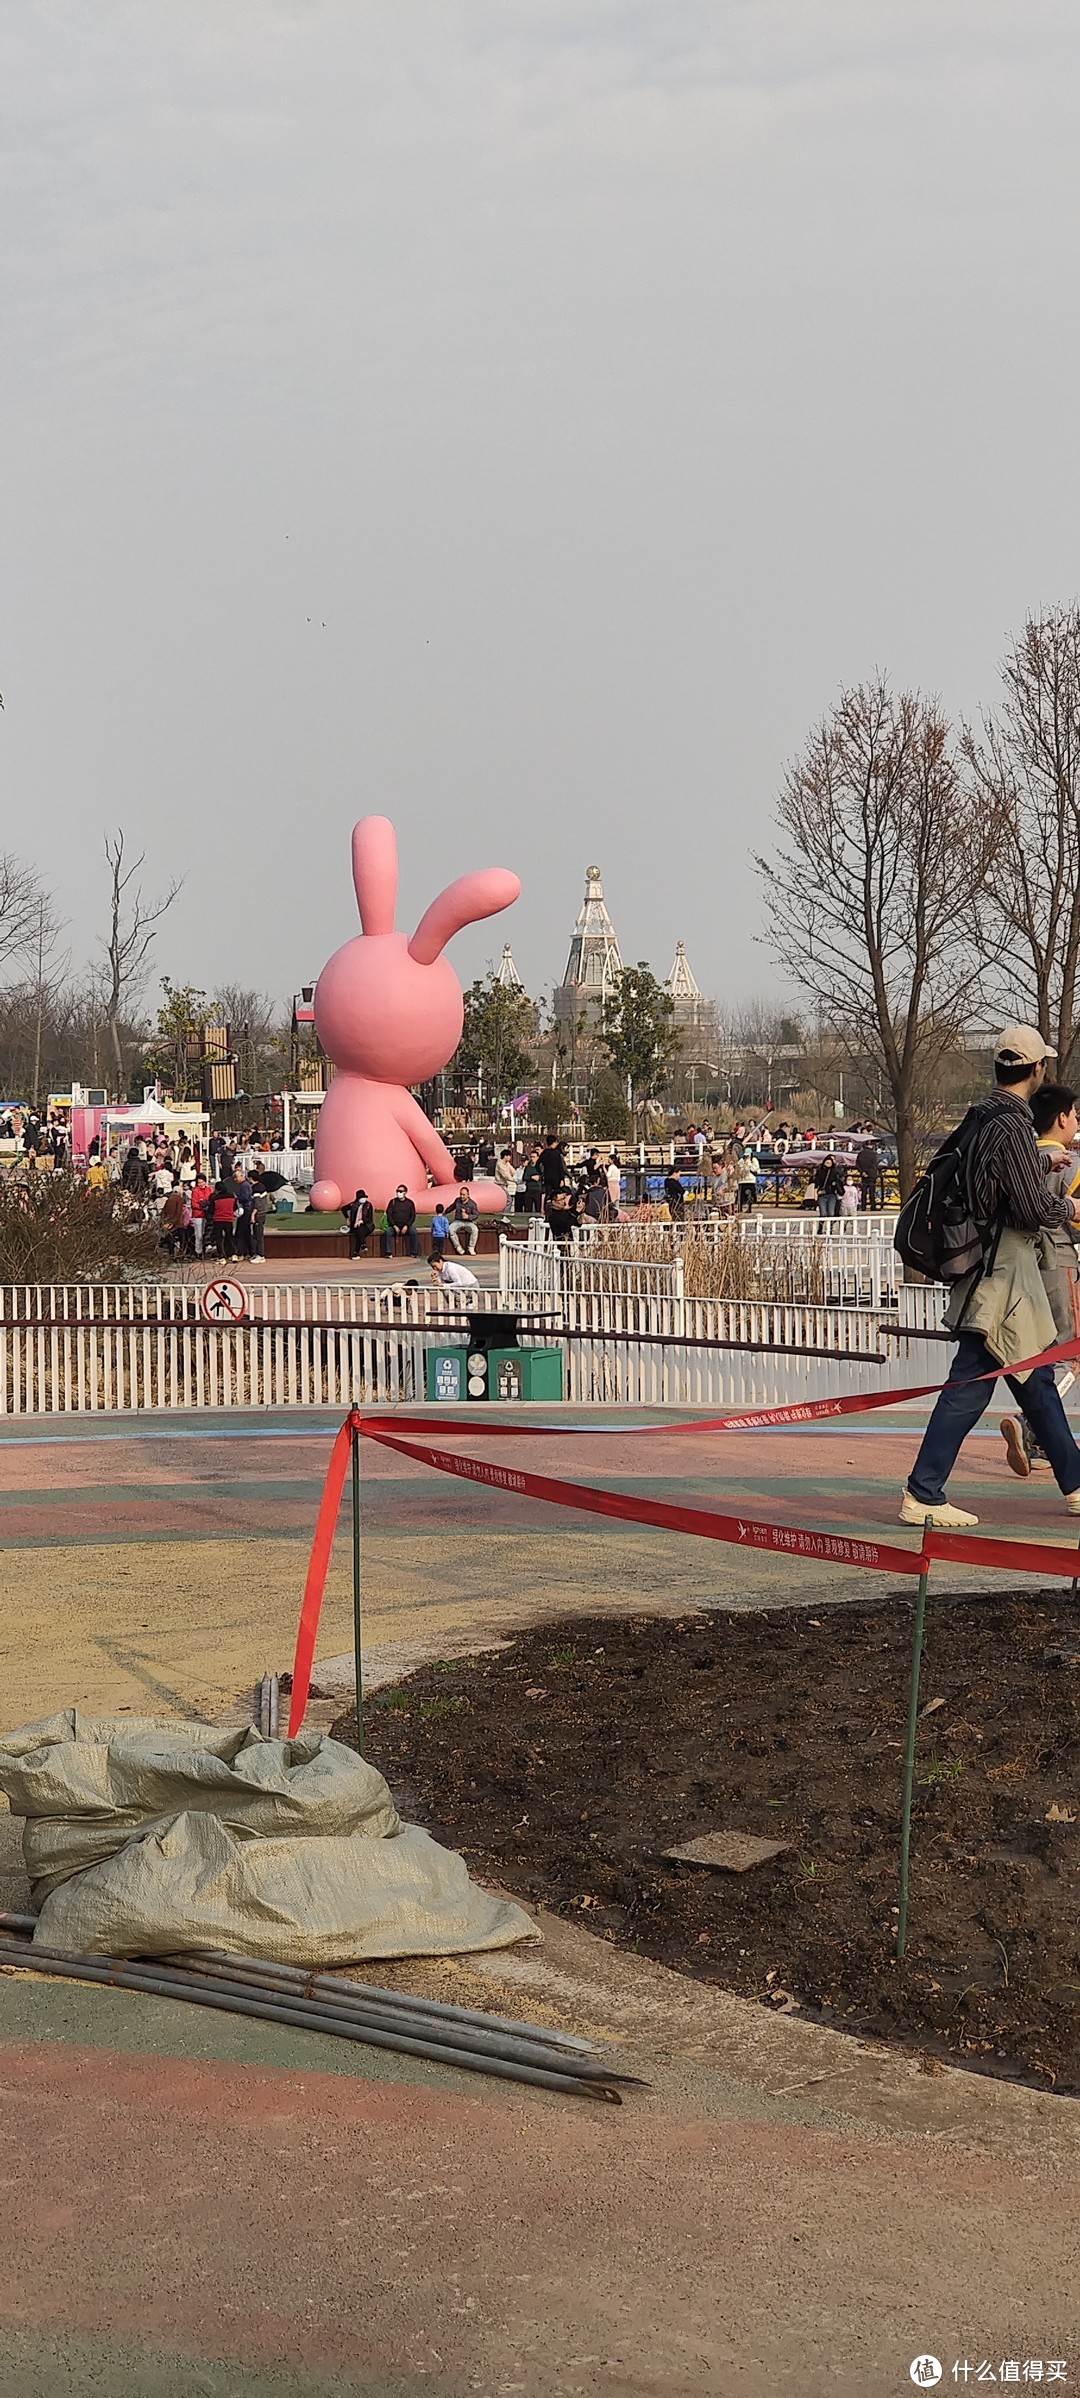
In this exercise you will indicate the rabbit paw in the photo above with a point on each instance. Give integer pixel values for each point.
(325, 1197)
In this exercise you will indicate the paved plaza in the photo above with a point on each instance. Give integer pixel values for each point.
(199, 2207)
(159, 1565)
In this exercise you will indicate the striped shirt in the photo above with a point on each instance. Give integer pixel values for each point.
(1008, 1170)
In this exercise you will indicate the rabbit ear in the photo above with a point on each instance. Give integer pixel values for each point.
(375, 872)
(466, 901)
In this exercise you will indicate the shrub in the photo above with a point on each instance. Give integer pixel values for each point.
(52, 1229)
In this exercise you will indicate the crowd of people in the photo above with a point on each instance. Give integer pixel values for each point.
(36, 1135)
(215, 1206)
(723, 1173)
(727, 1173)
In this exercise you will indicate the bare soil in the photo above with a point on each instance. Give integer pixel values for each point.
(566, 1764)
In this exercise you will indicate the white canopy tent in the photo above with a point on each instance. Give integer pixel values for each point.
(148, 1116)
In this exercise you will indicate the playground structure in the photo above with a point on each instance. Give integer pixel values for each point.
(389, 1012)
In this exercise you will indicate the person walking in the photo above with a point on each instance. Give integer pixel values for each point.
(1000, 1314)
(532, 1185)
(262, 1200)
(174, 1208)
(506, 1175)
(613, 1176)
(401, 1223)
(1053, 1111)
(720, 1187)
(552, 1164)
(200, 1203)
(747, 1181)
(245, 1200)
(829, 1180)
(440, 1232)
(868, 1169)
(464, 1222)
(223, 1217)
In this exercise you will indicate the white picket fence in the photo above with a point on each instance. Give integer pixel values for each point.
(181, 1302)
(83, 1349)
(855, 1270)
(757, 1226)
(644, 1373)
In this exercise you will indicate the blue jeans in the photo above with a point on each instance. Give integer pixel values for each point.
(828, 1203)
(959, 1408)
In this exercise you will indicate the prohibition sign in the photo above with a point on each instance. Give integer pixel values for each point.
(224, 1301)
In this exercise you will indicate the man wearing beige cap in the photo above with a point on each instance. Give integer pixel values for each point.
(1000, 1314)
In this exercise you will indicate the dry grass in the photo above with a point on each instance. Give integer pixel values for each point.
(52, 1229)
(719, 1264)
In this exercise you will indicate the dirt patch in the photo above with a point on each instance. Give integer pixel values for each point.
(566, 1764)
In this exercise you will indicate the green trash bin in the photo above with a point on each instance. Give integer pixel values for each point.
(444, 1374)
(525, 1373)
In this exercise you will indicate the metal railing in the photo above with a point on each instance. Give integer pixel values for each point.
(846, 1269)
(82, 1349)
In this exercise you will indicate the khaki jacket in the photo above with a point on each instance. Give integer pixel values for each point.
(1057, 1245)
(1009, 1306)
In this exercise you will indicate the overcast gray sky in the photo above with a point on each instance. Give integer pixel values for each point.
(515, 417)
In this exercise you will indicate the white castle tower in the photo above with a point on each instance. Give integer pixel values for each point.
(508, 974)
(594, 963)
(683, 988)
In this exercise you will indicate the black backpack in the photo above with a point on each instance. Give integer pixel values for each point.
(938, 1231)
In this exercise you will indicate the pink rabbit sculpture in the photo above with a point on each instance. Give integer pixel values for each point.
(389, 1012)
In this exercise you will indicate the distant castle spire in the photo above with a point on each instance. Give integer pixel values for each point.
(681, 982)
(508, 974)
(594, 964)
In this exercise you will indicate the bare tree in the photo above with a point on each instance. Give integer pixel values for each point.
(132, 922)
(1027, 765)
(876, 901)
(48, 983)
(21, 898)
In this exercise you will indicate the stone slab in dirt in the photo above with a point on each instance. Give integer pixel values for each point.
(642, 1731)
(726, 1852)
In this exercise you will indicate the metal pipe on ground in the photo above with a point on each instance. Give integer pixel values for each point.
(439, 2010)
(523, 2043)
(160, 1982)
(312, 1982)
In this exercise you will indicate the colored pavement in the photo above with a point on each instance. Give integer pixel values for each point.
(158, 1566)
(201, 2207)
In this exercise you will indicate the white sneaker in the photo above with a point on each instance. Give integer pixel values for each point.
(946, 1518)
(1073, 1502)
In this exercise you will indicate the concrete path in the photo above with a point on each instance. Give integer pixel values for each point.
(199, 2208)
(196, 2205)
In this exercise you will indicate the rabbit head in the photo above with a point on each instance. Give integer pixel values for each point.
(387, 1006)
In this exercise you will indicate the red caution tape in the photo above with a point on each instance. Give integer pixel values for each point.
(747, 1419)
(749, 1532)
(318, 1568)
(1019, 1556)
(742, 1531)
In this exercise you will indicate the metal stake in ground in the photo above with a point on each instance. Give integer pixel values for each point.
(909, 1760)
(357, 1618)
